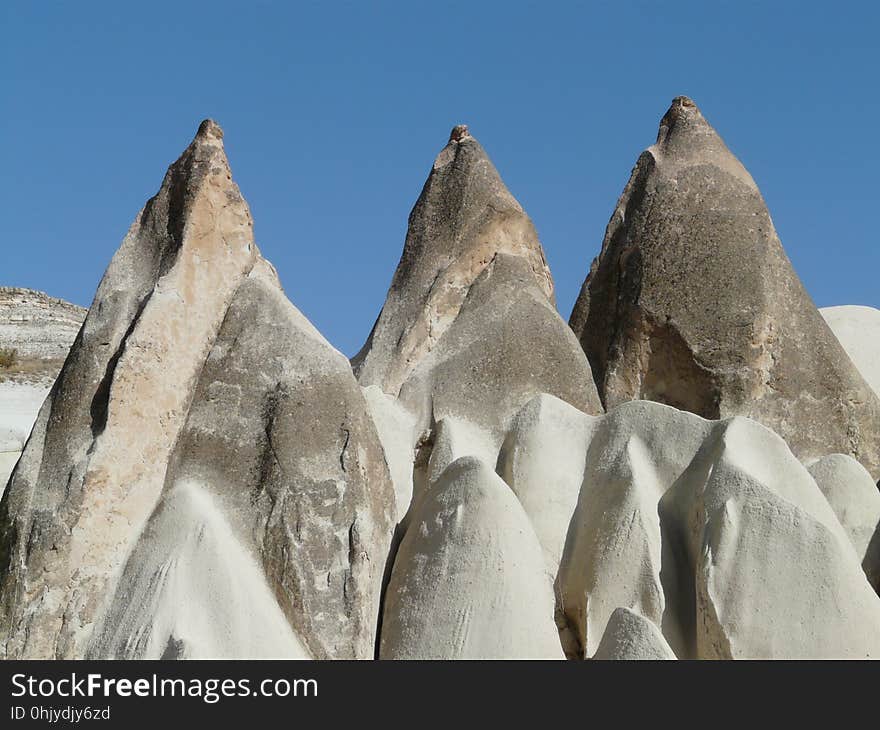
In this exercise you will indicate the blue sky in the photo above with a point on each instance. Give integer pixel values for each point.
(333, 113)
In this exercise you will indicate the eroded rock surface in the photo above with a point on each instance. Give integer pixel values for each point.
(93, 469)
(462, 219)
(696, 526)
(207, 478)
(469, 329)
(469, 581)
(278, 433)
(201, 427)
(191, 590)
(774, 573)
(855, 500)
(692, 302)
(614, 551)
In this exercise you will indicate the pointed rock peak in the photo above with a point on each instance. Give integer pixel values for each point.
(203, 154)
(467, 151)
(686, 136)
(201, 173)
(692, 302)
(459, 132)
(210, 130)
(464, 216)
(682, 108)
(682, 119)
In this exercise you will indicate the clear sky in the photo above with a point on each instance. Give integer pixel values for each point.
(333, 113)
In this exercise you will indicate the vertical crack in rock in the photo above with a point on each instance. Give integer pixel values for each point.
(278, 434)
(93, 469)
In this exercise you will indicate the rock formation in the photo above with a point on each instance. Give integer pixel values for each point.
(469, 331)
(470, 328)
(207, 478)
(463, 218)
(469, 579)
(278, 434)
(92, 471)
(771, 570)
(858, 331)
(701, 527)
(692, 302)
(139, 393)
(614, 547)
(855, 500)
(702, 532)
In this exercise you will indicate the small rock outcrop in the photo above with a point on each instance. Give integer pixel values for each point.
(692, 302)
(630, 636)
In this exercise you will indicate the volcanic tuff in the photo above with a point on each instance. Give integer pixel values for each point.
(462, 219)
(93, 481)
(692, 302)
(208, 478)
(469, 331)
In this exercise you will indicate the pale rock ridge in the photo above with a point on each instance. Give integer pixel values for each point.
(396, 428)
(543, 459)
(469, 580)
(710, 530)
(190, 590)
(462, 219)
(858, 331)
(772, 572)
(630, 636)
(855, 500)
(93, 468)
(692, 302)
(20, 403)
(614, 551)
(40, 329)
